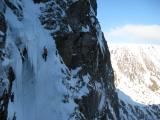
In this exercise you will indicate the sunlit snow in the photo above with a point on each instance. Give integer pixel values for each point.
(137, 72)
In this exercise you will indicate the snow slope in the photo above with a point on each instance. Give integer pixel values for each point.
(137, 72)
(37, 82)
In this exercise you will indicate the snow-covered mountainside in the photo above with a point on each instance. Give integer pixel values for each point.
(137, 79)
(54, 62)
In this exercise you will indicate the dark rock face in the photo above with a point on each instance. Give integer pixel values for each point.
(135, 112)
(75, 29)
(80, 48)
(6, 72)
(3, 29)
(3, 108)
(40, 1)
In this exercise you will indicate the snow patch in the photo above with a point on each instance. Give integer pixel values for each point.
(34, 74)
(85, 29)
(1, 33)
(100, 38)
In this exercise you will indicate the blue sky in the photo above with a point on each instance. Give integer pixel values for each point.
(112, 13)
(116, 15)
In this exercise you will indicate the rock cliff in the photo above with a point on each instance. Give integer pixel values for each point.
(55, 62)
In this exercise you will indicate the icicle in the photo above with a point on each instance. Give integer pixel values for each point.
(99, 32)
(100, 38)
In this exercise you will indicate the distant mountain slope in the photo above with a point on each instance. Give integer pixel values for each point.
(137, 76)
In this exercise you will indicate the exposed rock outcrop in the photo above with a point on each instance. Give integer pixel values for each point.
(80, 48)
(76, 32)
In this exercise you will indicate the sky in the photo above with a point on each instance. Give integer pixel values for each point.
(135, 21)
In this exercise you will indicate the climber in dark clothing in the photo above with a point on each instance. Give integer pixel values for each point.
(11, 75)
(14, 117)
(12, 97)
(45, 53)
(24, 54)
(1, 79)
(25, 51)
(5, 98)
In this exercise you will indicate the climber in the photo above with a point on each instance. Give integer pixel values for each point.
(11, 75)
(14, 117)
(45, 52)
(25, 51)
(24, 54)
(5, 98)
(1, 81)
(12, 97)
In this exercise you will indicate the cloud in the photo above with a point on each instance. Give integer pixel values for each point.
(134, 34)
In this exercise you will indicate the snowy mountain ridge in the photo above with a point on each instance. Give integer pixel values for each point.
(137, 79)
(137, 71)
